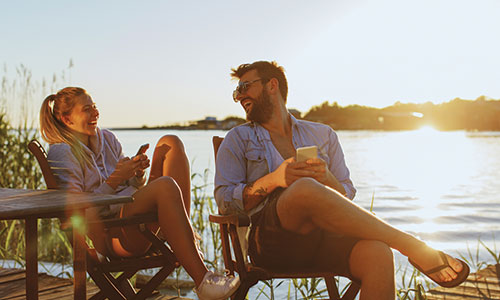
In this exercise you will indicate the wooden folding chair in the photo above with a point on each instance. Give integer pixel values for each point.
(250, 274)
(112, 274)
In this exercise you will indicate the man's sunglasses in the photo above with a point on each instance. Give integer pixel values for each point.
(242, 88)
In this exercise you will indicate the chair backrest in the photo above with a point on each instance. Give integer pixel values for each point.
(216, 141)
(41, 156)
(242, 231)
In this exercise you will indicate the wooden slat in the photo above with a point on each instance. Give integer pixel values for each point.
(18, 204)
(7, 275)
(484, 284)
(13, 286)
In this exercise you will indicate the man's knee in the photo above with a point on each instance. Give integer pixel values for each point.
(309, 194)
(372, 257)
(303, 188)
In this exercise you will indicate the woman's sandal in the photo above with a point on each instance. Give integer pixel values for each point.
(462, 275)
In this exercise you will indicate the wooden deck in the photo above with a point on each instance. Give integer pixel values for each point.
(484, 284)
(12, 287)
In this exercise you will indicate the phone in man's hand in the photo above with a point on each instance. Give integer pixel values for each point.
(142, 149)
(304, 153)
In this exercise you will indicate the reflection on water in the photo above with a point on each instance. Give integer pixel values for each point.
(440, 186)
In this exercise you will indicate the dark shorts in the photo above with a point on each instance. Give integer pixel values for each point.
(274, 247)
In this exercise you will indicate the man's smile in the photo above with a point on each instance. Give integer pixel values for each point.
(246, 103)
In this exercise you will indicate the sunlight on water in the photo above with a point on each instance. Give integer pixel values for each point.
(436, 185)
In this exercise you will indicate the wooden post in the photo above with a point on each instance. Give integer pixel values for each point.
(79, 261)
(31, 252)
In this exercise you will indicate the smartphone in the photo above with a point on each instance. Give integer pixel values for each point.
(142, 149)
(304, 153)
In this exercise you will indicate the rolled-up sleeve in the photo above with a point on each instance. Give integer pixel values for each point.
(338, 166)
(230, 175)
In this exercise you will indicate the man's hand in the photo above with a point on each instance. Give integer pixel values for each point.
(291, 170)
(320, 171)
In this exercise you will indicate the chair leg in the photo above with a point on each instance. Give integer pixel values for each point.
(99, 296)
(108, 289)
(242, 291)
(148, 289)
(333, 291)
(124, 285)
(352, 291)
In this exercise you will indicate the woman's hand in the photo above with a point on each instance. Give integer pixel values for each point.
(143, 164)
(124, 170)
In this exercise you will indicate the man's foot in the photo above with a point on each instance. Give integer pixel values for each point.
(217, 287)
(441, 268)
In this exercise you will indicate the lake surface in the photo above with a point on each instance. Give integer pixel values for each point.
(440, 186)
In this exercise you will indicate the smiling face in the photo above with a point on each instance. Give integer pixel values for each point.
(255, 100)
(82, 120)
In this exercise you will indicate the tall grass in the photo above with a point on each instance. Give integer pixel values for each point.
(19, 169)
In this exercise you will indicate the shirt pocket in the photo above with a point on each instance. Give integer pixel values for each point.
(256, 164)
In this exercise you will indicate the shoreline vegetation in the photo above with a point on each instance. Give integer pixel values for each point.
(481, 114)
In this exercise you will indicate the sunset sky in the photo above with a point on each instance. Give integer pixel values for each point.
(162, 62)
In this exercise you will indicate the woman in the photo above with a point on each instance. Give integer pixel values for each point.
(88, 159)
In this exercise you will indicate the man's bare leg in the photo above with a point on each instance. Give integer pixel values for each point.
(372, 262)
(307, 204)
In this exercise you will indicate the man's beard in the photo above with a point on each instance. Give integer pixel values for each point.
(262, 109)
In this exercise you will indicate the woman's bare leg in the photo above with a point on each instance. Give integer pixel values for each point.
(164, 196)
(170, 159)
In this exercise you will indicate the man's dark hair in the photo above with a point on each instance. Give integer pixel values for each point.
(266, 70)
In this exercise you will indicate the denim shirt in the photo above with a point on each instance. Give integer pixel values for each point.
(247, 154)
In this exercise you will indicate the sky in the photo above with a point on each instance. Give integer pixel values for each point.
(165, 62)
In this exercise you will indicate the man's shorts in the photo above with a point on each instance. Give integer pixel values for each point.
(276, 248)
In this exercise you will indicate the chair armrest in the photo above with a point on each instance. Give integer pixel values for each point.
(235, 219)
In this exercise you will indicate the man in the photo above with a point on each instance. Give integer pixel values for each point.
(301, 211)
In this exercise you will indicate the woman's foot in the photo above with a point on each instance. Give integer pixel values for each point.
(217, 287)
(440, 267)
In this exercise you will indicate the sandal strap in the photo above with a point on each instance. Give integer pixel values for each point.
(444, 265)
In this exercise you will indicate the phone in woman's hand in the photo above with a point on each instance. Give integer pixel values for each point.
(142, 149)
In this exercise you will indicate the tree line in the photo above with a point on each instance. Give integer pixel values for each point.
(482, 114)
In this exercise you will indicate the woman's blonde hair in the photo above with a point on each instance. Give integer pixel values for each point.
(52, 128)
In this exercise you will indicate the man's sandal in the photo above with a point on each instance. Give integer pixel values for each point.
(462, 275)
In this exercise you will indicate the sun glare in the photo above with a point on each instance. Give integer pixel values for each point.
(427, 129)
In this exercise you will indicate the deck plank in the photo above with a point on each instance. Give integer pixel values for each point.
(484, 284)
(13, 287)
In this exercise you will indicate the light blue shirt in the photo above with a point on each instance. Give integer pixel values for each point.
(247, 154)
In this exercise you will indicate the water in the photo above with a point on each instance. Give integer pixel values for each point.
(440, 186)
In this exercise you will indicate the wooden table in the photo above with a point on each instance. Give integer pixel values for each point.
(32, 205)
